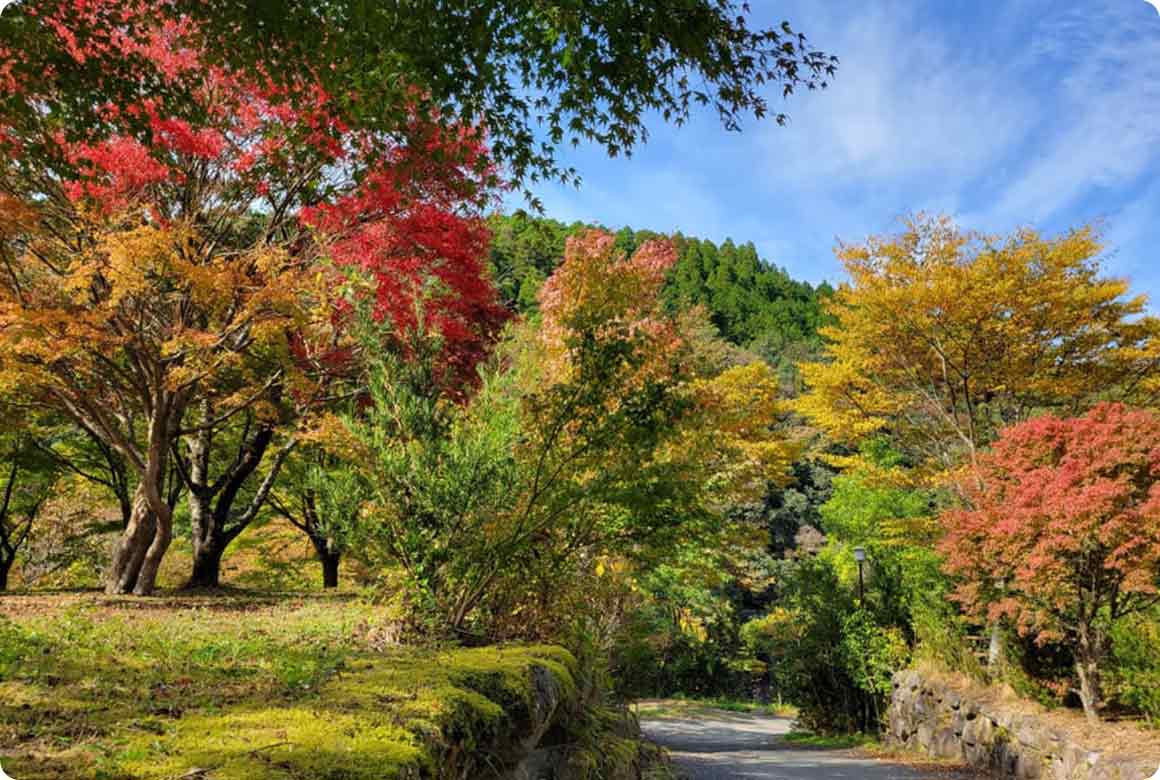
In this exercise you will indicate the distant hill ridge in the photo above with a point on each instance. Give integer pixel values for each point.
(753, 303)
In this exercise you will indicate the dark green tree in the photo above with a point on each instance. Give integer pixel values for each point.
(322, 497)
(792, 514)
(524, 252)
(536, 73)
(27, 475)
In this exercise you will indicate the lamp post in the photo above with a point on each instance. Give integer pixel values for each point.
(860, 557)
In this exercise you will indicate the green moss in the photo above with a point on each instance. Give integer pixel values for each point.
(273, 743)
(287, 692)
(604, 744)
(383, 717)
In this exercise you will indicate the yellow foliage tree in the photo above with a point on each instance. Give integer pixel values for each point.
(944, 336)
(123, 326)
(732, 437)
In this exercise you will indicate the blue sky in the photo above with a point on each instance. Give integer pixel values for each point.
(1023, 112)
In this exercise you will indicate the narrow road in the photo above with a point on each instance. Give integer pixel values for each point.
(726, 745)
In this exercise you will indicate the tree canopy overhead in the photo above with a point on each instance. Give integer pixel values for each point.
(536, 73)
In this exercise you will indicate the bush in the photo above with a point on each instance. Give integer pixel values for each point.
(1135, 668)
(871, 654)
(825, 653)
(681, 638)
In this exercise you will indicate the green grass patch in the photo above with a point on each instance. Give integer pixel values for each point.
(113, 689)
(686, 707)
(830, 742)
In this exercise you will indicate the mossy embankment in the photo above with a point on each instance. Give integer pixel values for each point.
(240, 689)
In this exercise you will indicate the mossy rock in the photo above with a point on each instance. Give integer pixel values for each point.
(408, 714)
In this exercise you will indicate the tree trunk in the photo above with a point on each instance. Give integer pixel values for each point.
(208, 544)
(131, 547)
(996, 652)
(1089, 688)
(327, 556)
(214, 522)
(138, 552)
(6, 566)
(330, 570)
(1089, 653)
(326, 547)
(162, 536)
(207, 566)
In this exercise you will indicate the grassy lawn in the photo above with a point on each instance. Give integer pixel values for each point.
(239, 688)
(831, 742)
(693, 707)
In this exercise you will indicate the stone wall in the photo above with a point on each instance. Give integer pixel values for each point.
(562, 732)
(935, 719)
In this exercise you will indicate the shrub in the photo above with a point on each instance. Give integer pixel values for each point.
(1135, 666)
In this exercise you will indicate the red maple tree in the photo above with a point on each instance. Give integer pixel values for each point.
(254, 186)
(1064, 533)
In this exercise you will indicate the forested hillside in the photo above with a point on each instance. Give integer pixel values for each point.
(753, 303)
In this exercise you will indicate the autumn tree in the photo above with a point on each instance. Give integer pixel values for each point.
(750, 302)
(168, 267)
(588, 435)
(608, 343)
(1064, 532)
(27, 476)
(942, 337)
(410, 230)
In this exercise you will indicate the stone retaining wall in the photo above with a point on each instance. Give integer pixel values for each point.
(937, 720)
(560, 732)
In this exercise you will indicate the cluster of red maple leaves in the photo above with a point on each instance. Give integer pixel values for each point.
(165, 131)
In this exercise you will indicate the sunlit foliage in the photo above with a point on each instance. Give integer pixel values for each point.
(1064, 533)
(942, 337)
(177, 254)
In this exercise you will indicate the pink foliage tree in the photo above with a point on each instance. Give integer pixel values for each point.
(1063, 535)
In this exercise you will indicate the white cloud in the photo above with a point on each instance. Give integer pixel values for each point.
(1131, 240)
(1035, 112)
(1100, 122)
(1043, 112)
(907, 104)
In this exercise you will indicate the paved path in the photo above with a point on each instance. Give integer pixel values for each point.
(728, 746)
